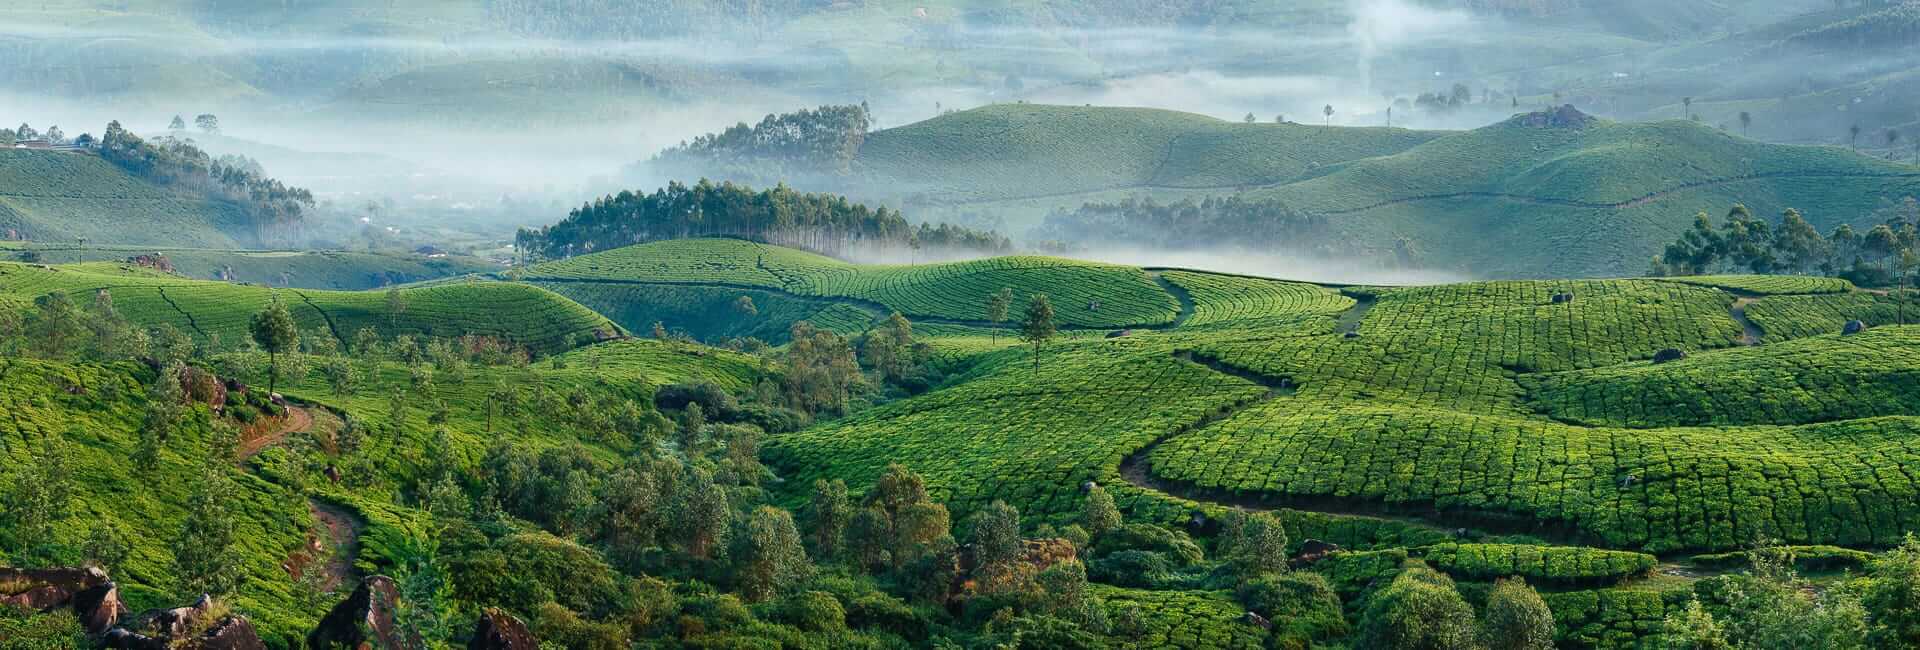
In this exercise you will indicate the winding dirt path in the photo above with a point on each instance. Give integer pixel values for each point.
(342, 530)
(339, 530)
(296, 421)
(1750, 333)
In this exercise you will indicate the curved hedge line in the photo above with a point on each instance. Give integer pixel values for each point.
(1558, 565)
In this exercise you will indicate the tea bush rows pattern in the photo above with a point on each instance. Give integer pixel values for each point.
(1177, 619)
(1769, 284)
(1803, 381)
(1226, 299)
(525, 314)
(1558, 565)
(1085, 294)
(1784, 317)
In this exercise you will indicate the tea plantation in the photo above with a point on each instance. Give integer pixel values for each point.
(218, 312)
(1487, 431)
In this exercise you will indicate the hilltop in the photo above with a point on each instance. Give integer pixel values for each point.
(1564, 194)
(1016, 151)
(1554, 193)
(61, 196)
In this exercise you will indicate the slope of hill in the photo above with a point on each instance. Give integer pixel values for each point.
(1084, 294)
(218, 312)
(1563, 194)
(57, 196)
(343, 270)
(1011, 151)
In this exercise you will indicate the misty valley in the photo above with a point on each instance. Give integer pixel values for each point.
(959, 324)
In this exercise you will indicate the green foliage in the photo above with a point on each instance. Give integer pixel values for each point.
(1821, 379)
(22, 629)
(1100, 514)
(820, 222)
(1420, 609)
(1893, 597)
(1183, 619)
(201, 551)
(1515, 618)
(1558, 565)
(771, 558)
(1125, 296)
(1302, 605)
(524, 315)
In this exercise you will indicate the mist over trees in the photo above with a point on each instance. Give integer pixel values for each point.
(1186, 223)
(268, 203)
(823, 223)
(1744, 243)
(809, 144)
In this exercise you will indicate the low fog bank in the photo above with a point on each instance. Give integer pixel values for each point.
(1279, 265)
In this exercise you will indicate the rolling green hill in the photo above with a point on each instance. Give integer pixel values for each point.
(61, 197)
(1013, 151)
(219, 312)
(1557, 194)
(344, 270)
(1483, 429)
(1084, 294)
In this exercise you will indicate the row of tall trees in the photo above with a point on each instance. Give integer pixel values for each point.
(267, 203)
(802, 145)
(1886, 254)
(822, 223)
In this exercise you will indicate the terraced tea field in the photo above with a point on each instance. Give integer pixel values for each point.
(1491, 429)
(1084, 294)
(206, 310)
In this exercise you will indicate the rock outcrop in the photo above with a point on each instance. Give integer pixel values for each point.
(498, 630)
(201, 626)
(364, 619)
(88, 592)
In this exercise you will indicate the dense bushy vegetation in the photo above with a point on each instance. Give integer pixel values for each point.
(1884, 254)
(879, 482)
(818, 222)
(790, 147)
(269, 203)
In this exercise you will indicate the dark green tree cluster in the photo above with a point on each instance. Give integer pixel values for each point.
(268, 203)
(892, 353)
(1262, 224)
(800, 145)
(822, 223)
(1883, 255)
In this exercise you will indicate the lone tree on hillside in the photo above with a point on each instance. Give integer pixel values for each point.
(1328, 111)
(1037, 328)
(177, 124)
(1251, 119)
(1746, 120)
(997, 306)
(1516, 618)
(207, 122)
(1853, 136)
(273, 328)
(1893, 136)
(1688, 103)
(396, 305)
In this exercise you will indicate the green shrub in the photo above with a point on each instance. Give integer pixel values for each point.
(1561, 565)
(26, 630)
(815, 611)
(1301, 605)
(1131, 568)
(1175, 546)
